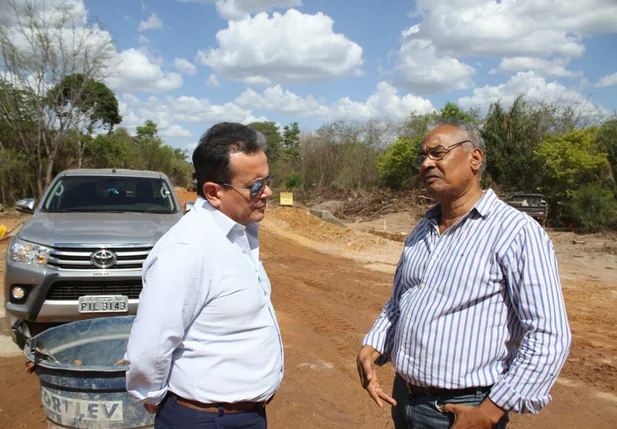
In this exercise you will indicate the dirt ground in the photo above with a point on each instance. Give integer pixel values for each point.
(329, 284)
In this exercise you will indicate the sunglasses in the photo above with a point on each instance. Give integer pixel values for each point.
(255, 189)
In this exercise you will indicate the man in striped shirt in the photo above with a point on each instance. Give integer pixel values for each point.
(476, 325)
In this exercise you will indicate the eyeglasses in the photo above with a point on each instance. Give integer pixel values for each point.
(439, 152)
(256, 188)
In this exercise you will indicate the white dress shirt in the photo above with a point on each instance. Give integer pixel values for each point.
(205, 327)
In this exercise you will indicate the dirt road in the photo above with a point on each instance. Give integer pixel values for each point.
(330, 284)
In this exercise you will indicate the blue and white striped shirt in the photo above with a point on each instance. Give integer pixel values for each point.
(479, 305)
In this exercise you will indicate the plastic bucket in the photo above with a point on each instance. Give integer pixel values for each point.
(85, 387)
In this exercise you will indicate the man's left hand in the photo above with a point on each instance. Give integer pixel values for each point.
(152, 409)
(484, 416)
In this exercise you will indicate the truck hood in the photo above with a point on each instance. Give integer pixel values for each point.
(51, 229)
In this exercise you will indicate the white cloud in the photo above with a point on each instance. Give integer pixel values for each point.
(421, 70)
(152, 23)
(167, 112)
(136, 73)
(275, 99)
(293, 47)
(175, 131)
(52, 12)
(607, 80)
(540, 36)
(235, 10)
(384, 103)
(143, 39)
(185, 66)
(534, 88)
(213, 81)
(75, 45)
(555, 67)
(510, 29)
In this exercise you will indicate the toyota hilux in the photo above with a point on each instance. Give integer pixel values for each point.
(80, 255)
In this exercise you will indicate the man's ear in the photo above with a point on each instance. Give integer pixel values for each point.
(477, 156)
(211, 192)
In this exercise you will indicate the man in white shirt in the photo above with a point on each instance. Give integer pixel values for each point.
(205, 350)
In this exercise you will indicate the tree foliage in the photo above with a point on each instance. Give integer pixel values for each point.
(92, 103)
(273, 136)
(567, 162)
(397, 166)
(593, 208)
(37, 51)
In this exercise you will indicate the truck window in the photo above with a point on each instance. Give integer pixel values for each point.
(110, 194)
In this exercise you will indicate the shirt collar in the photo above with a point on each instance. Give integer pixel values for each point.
(225, 223)
(483, 206)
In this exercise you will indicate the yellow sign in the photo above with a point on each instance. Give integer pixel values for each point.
(287, 199)
(2, 230)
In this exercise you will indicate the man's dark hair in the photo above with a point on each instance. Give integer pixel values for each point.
(211, 156)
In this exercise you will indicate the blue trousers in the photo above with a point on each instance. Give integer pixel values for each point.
(171, 415)
(415, 411)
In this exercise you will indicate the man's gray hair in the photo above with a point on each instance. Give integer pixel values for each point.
(472, 134)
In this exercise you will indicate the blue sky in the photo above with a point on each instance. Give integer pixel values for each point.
(189, 64)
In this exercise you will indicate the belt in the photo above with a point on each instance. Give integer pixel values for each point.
(437, 391)
(221, 408)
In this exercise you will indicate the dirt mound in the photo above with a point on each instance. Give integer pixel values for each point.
(302, 223)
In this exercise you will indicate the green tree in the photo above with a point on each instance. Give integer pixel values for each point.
(397, 166)
(151, 154)
(291, 144)
(606, 141)
(453, 111)
(568, 162)
(92, 103)
(114, 150)
(511, 137)
(273, 136)
(37, 50)
(593, 208)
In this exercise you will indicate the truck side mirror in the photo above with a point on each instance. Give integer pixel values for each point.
(26, 205)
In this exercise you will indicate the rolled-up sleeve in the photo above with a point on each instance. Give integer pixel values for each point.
(175, 288)
(534, 288)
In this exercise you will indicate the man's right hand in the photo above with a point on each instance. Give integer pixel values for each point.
(368, 377)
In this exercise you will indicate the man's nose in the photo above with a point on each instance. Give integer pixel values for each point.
(267, 193)
(427, 163)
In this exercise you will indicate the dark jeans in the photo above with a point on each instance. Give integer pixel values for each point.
(416, 411)
(174, 416)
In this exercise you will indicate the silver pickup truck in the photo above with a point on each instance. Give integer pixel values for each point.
(81, 253)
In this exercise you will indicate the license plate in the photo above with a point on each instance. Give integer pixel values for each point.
(103, 304)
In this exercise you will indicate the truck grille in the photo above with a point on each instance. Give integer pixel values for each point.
(81, 258)
(71, 290)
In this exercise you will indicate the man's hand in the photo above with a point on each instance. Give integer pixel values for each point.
(484, 416)
(368, 377)
(152, 409)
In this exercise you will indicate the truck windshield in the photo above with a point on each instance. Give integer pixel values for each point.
(110, 194)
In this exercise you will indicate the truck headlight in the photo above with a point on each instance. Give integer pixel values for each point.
(28, 253)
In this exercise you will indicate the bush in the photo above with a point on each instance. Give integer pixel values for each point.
(593, 208)
(397, 165)
(292, 181)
